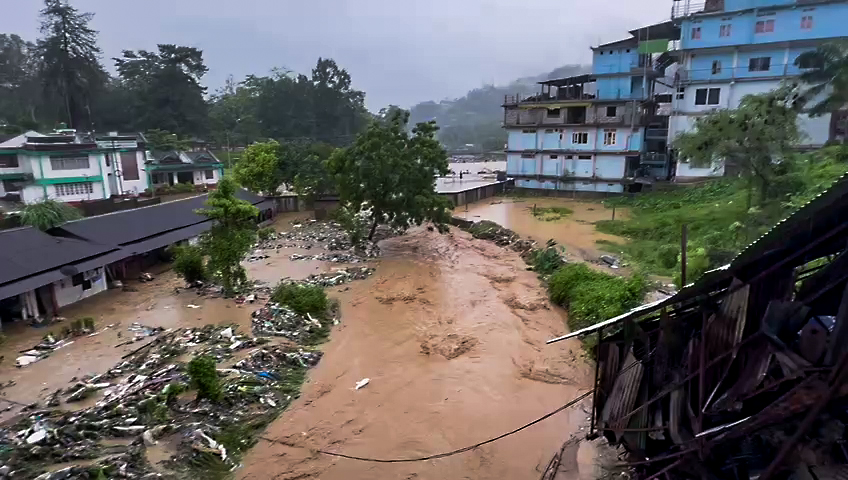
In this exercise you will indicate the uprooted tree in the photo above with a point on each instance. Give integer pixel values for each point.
(391, 174)
(231, 236)
(48, 213)
(753, 139)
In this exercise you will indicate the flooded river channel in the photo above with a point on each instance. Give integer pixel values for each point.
(450, 331)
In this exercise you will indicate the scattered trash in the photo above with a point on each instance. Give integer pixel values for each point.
(25, 360)
(192, 306)
(145, 277)
(362, 383)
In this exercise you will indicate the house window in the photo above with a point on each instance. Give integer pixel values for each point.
(553, 157)
(553, 113)
(210, 174)
(609, 136)
(611, 111)
(584, 157)
(707, 96)
(759, 64)
(724, 30)
(528, 131)
(807, 62)
(129, 166)
(69, 163)
(580, 138)
(807, 22)
(716, 67)
(549, 130)
(13, 185)
(764, 26)
(681, 92)
(696, 33)
(68, 189)
(528, 155)
(8, 161)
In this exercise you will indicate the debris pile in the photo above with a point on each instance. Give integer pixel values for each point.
(339, 276)
(145, 398)
(742, 374)
(311, 233)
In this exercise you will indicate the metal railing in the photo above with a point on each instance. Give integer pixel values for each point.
(689, 75)
(684, 8)
(543, 98)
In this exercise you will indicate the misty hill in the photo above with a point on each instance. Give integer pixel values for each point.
(476, 117)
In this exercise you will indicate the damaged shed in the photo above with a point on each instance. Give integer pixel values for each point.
(744, 373)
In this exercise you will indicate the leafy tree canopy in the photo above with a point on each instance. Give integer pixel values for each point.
(753, 139)
(392, 174)
(162, 141)
(231, 236)
(259, 168)
(47, 214)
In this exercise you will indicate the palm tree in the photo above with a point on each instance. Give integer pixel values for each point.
(47, 214)
(826, 66)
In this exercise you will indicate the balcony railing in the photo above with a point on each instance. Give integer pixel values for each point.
(684, 8)
(691, 75)
(544, 98)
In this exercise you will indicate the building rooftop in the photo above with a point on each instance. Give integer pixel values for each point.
(180, 160)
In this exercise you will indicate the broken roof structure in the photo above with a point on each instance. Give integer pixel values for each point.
(742, 374)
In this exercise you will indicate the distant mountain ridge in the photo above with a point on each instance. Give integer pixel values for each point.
(476, 117)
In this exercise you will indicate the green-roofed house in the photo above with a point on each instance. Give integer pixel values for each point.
(198, 167)
(72, 167)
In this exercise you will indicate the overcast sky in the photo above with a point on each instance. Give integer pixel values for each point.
(398, 51)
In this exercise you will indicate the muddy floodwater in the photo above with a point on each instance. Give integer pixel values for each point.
(451, 332)
(576, 232)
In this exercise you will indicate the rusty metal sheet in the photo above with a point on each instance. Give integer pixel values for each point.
(723, 333)
(623, 396)
(755, 361)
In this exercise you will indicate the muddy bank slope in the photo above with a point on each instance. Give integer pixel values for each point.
(451, 332)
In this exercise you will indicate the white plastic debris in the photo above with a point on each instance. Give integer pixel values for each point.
(227, 333)
(37, 436)
(147, 436)
(25, 360)
(250, 298)
(192, 306)
(362, 383)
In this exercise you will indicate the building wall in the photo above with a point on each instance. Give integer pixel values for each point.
(614, 60)
(575, 186)
(67, 293)
(200, 177)
(828, 22)
(133, 187)
(619, 87)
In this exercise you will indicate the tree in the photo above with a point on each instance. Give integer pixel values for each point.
(166, 87)
(20, 94)
(392, 174)
(231, 236)
(259, 168)
(47, 214)
(826, 66)
(311, 177)
(70, 66)
(755, 138)
(163, 141)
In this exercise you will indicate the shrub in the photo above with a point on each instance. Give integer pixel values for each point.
(591, 296)
(184, 188)
(667, 255)
(189, 263)
(697, 263)
(549, 214)
(204, 378)
(265, 233)
(302, 299)
(546, 261)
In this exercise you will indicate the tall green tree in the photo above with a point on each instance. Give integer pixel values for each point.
(70, 67)
(166, 87)
(21, 97)
(163, 141)
(825, 67)
(231, 236)
(232, 115)
(753, 139)
(259, 169)
(392, 174)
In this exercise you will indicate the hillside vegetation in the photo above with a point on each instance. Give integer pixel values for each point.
(719, 219)
(476, 117)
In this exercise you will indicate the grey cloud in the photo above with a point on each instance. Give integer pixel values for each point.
(397, 51)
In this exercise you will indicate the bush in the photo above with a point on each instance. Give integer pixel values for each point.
(189, 263)
(184, 188)
(591, 296)
(302, 299)
(549, 214)
(697, 263)
(265, 233)
(667, 255)
(546, 261)
(204, 378)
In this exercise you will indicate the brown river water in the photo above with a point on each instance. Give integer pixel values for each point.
(450, 331)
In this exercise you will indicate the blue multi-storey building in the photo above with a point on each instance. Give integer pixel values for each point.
(732, 48)
(599, 131)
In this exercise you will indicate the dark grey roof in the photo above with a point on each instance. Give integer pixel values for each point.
(129, 226)
(27, 251)
(563, 82)
(159, 156)
(205, 157)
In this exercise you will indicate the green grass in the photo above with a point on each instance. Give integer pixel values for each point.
(550, 214)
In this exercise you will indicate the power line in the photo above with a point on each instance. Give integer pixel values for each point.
(452, 452)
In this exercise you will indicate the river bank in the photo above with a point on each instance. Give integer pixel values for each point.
(450, 331)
